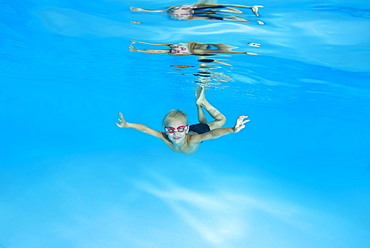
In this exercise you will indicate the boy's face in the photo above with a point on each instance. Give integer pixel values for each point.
(176, 130)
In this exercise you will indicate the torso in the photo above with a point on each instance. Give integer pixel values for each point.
(187, 147)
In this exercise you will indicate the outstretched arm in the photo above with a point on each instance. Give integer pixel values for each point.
(135, 9)
(136, 41)
(142, 128)
(216, 133)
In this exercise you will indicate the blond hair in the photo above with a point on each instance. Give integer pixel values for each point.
(174, 114)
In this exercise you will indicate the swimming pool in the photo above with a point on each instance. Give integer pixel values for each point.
(297, 176)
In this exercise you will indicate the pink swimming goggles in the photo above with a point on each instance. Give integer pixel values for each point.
(182, 12)
(180, 48)
(179, 129)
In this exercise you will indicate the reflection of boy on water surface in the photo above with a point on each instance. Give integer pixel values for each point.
(187, 48)
(175, 123)
(205, 11)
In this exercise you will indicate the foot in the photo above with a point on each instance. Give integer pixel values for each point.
(200, 96)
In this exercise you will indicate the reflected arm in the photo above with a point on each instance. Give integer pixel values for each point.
(135, 9)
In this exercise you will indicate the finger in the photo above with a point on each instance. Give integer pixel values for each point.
(241, 118)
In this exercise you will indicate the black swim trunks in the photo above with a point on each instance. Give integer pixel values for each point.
(199, 128)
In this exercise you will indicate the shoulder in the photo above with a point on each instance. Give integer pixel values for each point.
(160, 135)
(163, 136)
(195, 138)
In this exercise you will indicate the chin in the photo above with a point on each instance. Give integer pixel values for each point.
(177, 140)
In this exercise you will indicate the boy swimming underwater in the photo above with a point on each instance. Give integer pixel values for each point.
(185, 139)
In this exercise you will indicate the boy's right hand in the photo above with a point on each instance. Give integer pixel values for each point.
(122, 121)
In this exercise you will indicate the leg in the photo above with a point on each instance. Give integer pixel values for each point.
(211, 48)
(222, 48)
(254, 8)
(201, 116)
(220, 119)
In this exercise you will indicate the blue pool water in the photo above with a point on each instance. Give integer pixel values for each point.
(297, 176)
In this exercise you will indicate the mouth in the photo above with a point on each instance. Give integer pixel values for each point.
(176, 138)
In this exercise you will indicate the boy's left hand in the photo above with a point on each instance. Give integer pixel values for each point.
(240, 123)
(122, 122)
